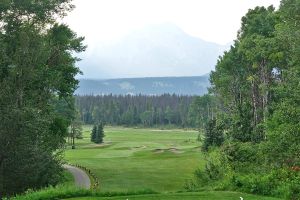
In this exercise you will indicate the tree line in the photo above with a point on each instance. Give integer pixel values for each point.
(132, 110)
(253, 141)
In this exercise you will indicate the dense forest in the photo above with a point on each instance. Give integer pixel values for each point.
(253, 143)
(133, 110)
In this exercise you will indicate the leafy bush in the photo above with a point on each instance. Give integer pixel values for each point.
(240, 167)
(213, 170)
(278, 182)
(190, 185)
(243, 157)
(213, 135)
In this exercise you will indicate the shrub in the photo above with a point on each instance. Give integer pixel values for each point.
(213, 135)
(213, 170)
(277, 182)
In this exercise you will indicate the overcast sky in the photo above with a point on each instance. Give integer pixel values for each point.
(212, 20)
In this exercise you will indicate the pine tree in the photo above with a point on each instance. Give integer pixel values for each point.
(93, 133)
(100, 134)
(97, 134)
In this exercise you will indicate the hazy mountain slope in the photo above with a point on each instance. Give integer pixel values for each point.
(160, 50)
(151, 86)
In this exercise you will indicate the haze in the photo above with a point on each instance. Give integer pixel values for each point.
(105, 24)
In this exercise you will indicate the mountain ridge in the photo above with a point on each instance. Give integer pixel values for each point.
(187, 85)
(158, 50)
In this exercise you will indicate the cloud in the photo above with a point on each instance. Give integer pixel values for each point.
(126, 86)
(104, 22)
(161, 84)
(213, 20)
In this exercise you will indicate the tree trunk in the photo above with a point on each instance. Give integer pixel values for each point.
(255, 103)
(265, 77)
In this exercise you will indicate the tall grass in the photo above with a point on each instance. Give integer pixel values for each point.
(65, 192)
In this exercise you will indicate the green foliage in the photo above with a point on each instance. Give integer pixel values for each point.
(243, 157)
(37, 81)
(94, 133)
(136, 110)
(76, 129)
(97, 133)
(213, 135)
(256, 84)
(213, 170)
(146, 117)
(201, 110)
(284, 135)
(281, 182)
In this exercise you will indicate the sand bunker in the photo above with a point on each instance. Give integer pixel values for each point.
(97, 145)
(159, 150)
(140, 147)
(172, 150)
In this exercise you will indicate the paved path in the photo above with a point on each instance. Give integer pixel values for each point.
(82, 180)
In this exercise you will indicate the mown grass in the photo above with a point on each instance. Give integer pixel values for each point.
(138, 159)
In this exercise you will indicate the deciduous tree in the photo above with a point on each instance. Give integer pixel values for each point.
(36, 66)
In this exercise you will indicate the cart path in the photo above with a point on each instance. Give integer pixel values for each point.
(81, 178)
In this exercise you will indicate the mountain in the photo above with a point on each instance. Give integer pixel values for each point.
(196, 85)
(153, 51)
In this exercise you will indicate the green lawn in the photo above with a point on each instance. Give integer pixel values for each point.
(137, 159)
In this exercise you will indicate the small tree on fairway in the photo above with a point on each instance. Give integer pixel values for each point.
(97, 134)
(100, 134)
(93, 134)
(75, 132)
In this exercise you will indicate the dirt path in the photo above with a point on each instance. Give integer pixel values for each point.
(82, 180)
